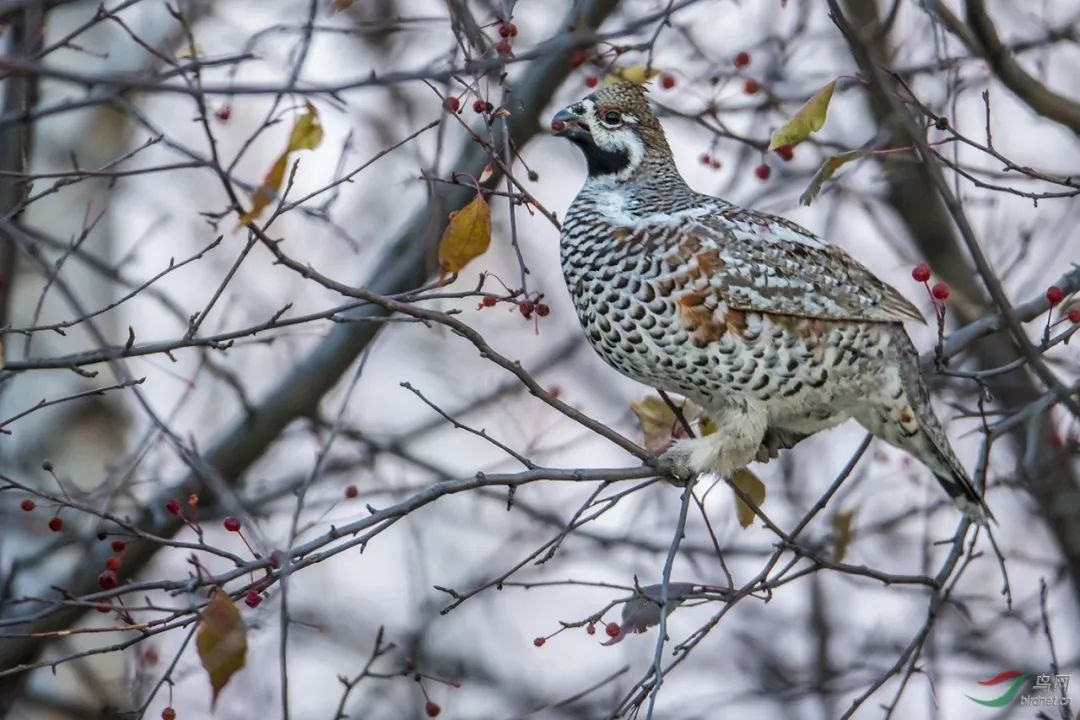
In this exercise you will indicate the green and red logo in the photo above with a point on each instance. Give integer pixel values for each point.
(1016, 680)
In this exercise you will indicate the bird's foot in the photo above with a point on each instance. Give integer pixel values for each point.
(690, 457)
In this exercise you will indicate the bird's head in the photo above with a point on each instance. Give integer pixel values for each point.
(617, 131)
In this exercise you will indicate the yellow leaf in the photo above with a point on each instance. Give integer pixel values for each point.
(659, 424)
(826, 171)
(189, 52)
(749, 483)
(467, 236)
(809, 118)
(634, 73)
(221, 641)
(307, 131)
(842, 533)
(267, 191)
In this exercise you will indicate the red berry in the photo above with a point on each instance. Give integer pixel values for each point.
(591, 629)
(539, 642)
(27, 505)
(223, 113)
(940, 291)
(104, 607)
(542, 310)
(432, 709)
(56, 524)
(451, 104)
(578, 58)
(526, 307)
(118, 546)
(351, 492)
(786, 152)
(591, 80)
(612, 629)
(168, 714)
(113, 563)
(705, 159)
(1055, 294)
(479, 106)
(232, 524)
(508, 30)
(1074, 315)
(173, 506)
(667, 81)
(751, 86)
(107, 580)
(921, 272)
(742, 59)
(503, 48)
(252, 599)
(763, 171)
(488, 301)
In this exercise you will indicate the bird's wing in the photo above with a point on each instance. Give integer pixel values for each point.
(754, 262)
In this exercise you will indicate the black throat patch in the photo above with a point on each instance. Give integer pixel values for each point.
(602, 162)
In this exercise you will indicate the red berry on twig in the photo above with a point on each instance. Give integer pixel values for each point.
(451, 104)
(56, 524)
(118, 546)
(432, 709)
(539, 642)
(786, 152)
(27, 505)
(763, 171)
(751, 86)
(351, 492)
(232, 524)
(612, 629)
(168, 714)
(172, 505)
(667, 81)
(1055, 294)
(921, 272)
(113, 563)
(107, 580)
(742, 59)
(503, 48)
(940, 291)
(252, 599)
(1074, 315)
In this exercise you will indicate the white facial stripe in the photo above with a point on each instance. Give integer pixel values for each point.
(616, 139)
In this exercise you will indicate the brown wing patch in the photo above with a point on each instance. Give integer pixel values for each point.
(699, 318)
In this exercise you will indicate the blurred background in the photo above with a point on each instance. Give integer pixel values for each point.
(180, 354)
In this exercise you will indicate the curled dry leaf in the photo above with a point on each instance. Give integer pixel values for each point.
(221, 641)
(826, 171)
(467, 236)
(659, 425)
(752, 486)
(843, 533)
(807, 119)
(643, 612)
(306, 134)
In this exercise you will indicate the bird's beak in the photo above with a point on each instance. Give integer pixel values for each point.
(569, 125)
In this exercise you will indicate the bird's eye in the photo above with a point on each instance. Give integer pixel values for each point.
(612, 117)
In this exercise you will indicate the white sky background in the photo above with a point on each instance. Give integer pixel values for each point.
(464, 538)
